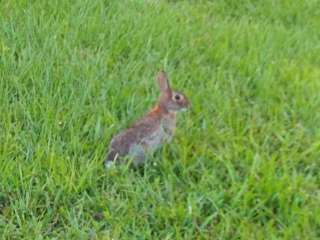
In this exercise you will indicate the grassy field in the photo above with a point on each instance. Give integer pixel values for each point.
(245, 160)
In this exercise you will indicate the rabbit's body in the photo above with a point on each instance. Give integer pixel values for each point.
(147, 134)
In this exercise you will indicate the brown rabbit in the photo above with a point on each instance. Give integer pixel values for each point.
(154, 129)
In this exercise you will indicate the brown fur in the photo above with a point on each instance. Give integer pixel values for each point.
(149, 133)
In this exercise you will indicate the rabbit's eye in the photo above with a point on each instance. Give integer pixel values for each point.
(177, 97)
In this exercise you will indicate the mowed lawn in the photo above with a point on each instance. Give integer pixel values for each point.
(245, 162)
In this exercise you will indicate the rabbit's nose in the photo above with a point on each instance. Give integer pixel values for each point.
(189, 105)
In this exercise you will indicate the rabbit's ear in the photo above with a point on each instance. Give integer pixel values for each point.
(163, 82)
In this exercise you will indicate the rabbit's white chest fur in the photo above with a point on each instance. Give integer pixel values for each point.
(162, 134)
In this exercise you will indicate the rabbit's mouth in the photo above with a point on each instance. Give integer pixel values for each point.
(183, 109)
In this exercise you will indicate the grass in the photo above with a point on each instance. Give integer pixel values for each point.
(245, 160)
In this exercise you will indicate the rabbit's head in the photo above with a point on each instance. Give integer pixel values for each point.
(170, 100)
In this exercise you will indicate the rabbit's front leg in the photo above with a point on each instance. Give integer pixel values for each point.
(137, 153)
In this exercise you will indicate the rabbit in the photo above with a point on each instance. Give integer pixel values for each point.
(152, 131)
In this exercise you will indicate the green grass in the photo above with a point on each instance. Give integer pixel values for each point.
(245, 160)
